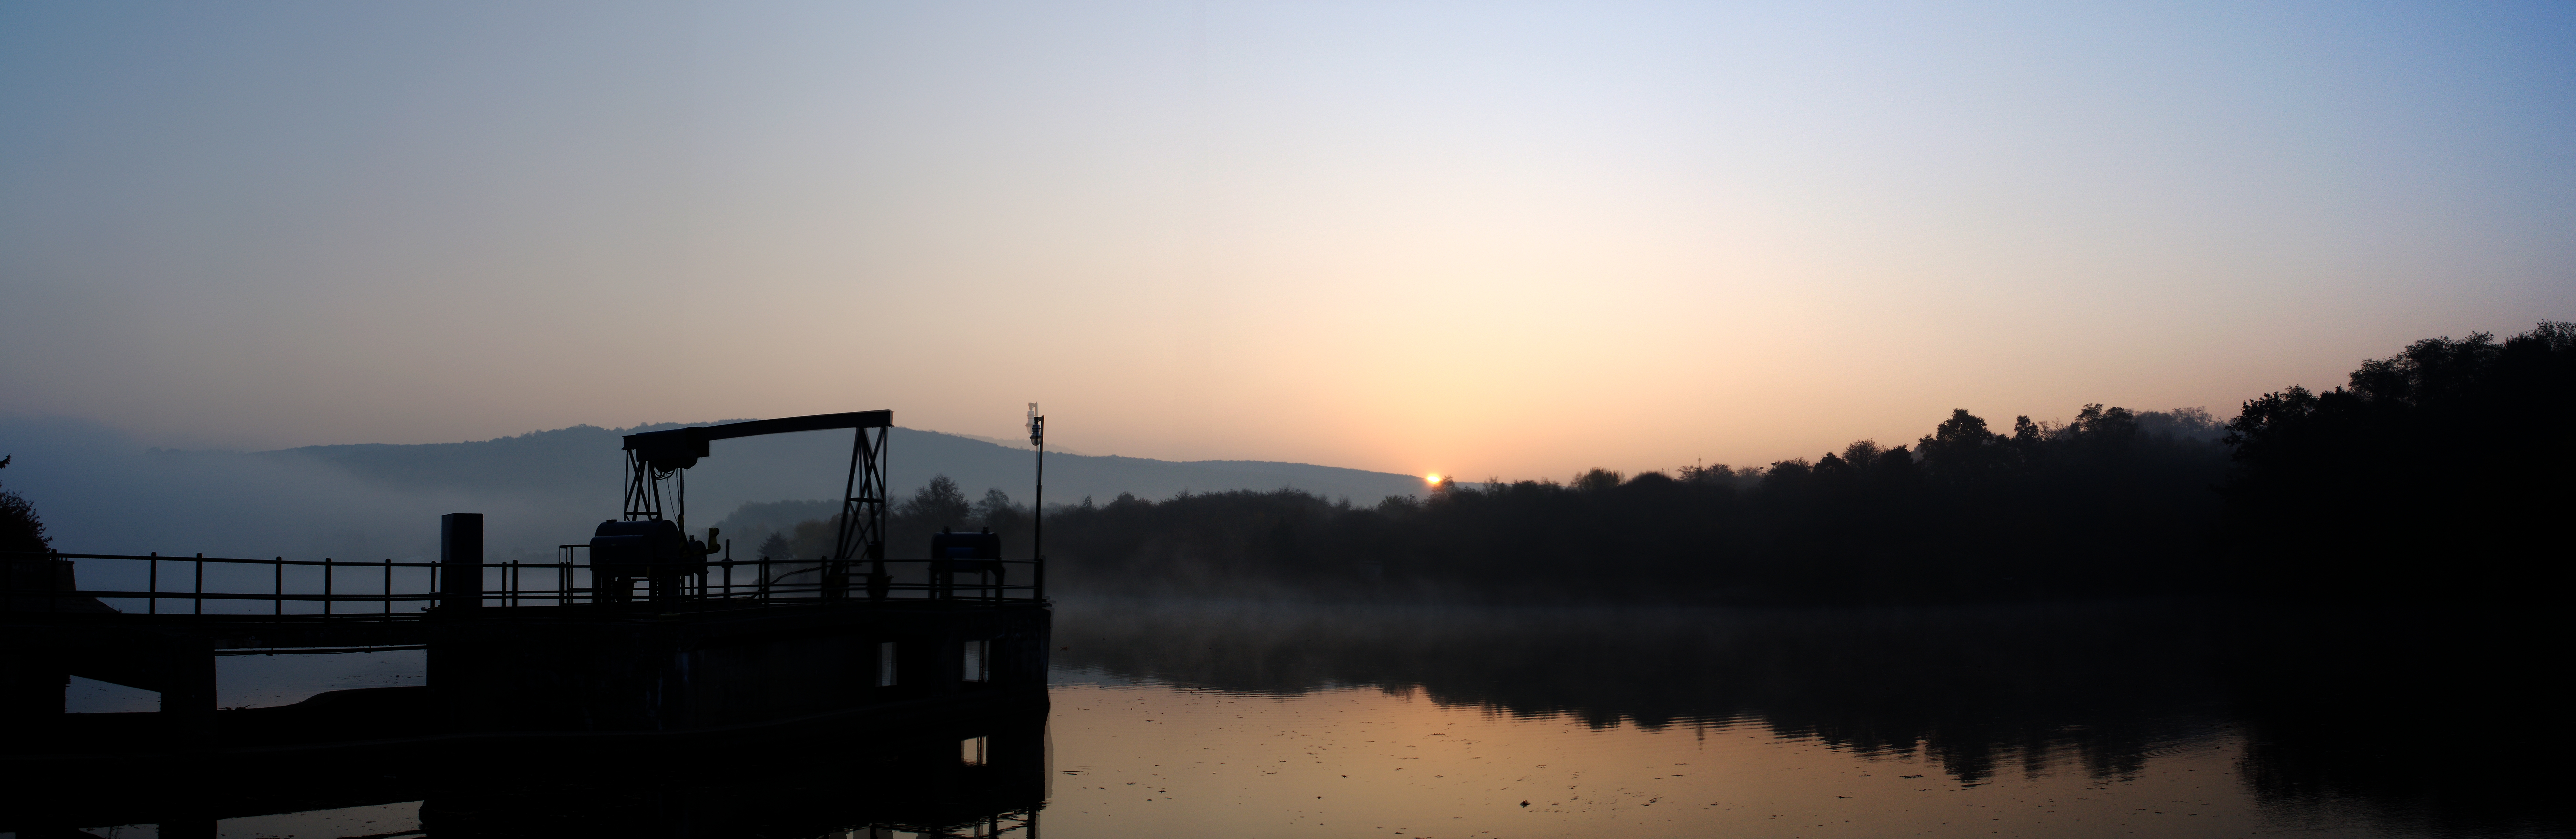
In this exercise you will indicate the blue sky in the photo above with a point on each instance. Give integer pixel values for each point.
(1506, 239)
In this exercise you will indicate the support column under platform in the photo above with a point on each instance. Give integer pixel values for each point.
(784, 670)
(941, 774)
(38, 656)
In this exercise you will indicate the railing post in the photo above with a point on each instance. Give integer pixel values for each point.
(460, 557)
(326, 585)
(201, 586)
(152, 585)
(389, 586)
(277, 595)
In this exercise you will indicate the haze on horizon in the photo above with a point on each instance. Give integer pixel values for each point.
(1465, 238)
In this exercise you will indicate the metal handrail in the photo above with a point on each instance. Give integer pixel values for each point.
(771, 584)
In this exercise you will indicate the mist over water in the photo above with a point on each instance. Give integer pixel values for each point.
(99, 490)
(1758, 333)
(2056, 719)
(2132, 623)
(2138, 718)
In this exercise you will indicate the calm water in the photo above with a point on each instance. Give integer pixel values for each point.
(1223, 719)
(1363, 761)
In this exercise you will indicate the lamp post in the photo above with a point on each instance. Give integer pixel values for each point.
(1037, 506)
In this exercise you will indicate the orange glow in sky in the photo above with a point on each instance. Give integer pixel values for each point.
(1516, 241)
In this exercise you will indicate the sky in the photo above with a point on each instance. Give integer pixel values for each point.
(1483, 239)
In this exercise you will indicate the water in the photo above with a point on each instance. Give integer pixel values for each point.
(2140, 719)
(1237, 719)
(1365, 761)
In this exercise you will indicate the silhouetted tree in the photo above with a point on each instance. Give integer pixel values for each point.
(1962, 451)
(995, 504)
(2444, 469)
(812, 540)
(2081, 511)
(2443, 464)
(939, 500)
(20, 528)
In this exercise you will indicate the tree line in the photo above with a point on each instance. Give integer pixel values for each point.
(2440, 471)
(2114, 498)
(2435, 472)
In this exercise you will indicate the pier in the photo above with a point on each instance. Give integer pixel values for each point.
(639, 644)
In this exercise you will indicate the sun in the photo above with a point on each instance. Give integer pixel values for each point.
(1432, 479)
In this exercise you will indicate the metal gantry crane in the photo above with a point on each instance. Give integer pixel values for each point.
(645, 546)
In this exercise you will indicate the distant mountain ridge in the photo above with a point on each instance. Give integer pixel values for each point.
(586, 461)
(101, 491)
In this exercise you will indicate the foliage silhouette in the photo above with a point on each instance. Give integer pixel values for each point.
(2436, 472)
(2442, 470)
(2098, 504)
(20, 528)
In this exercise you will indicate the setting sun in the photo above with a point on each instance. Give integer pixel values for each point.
(1433, 479)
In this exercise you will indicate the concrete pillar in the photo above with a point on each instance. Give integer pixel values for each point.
(31, 684)
(187, 683)
(460, 553)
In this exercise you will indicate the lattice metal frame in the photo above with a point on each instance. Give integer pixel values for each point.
(643, 492)
(863, 515)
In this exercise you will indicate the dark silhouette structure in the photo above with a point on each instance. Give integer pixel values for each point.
(655, 456)
(979, 774)
(721, 651)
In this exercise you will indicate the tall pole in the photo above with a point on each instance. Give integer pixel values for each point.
(1037, 536)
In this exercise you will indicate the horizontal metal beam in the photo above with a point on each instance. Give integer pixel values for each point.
(816, 422)
(320, 650)
(684, 439)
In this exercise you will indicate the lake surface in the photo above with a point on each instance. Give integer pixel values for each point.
(1362, 761)
(2157, 719)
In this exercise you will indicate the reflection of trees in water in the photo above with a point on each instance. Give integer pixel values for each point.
(2448, 720)
(2405, 714)
(1970, 688)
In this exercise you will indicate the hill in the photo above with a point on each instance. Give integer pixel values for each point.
(585, 461)
(100, 491)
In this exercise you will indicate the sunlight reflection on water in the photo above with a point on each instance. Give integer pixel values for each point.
(1142, 758)
(1230, 721)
